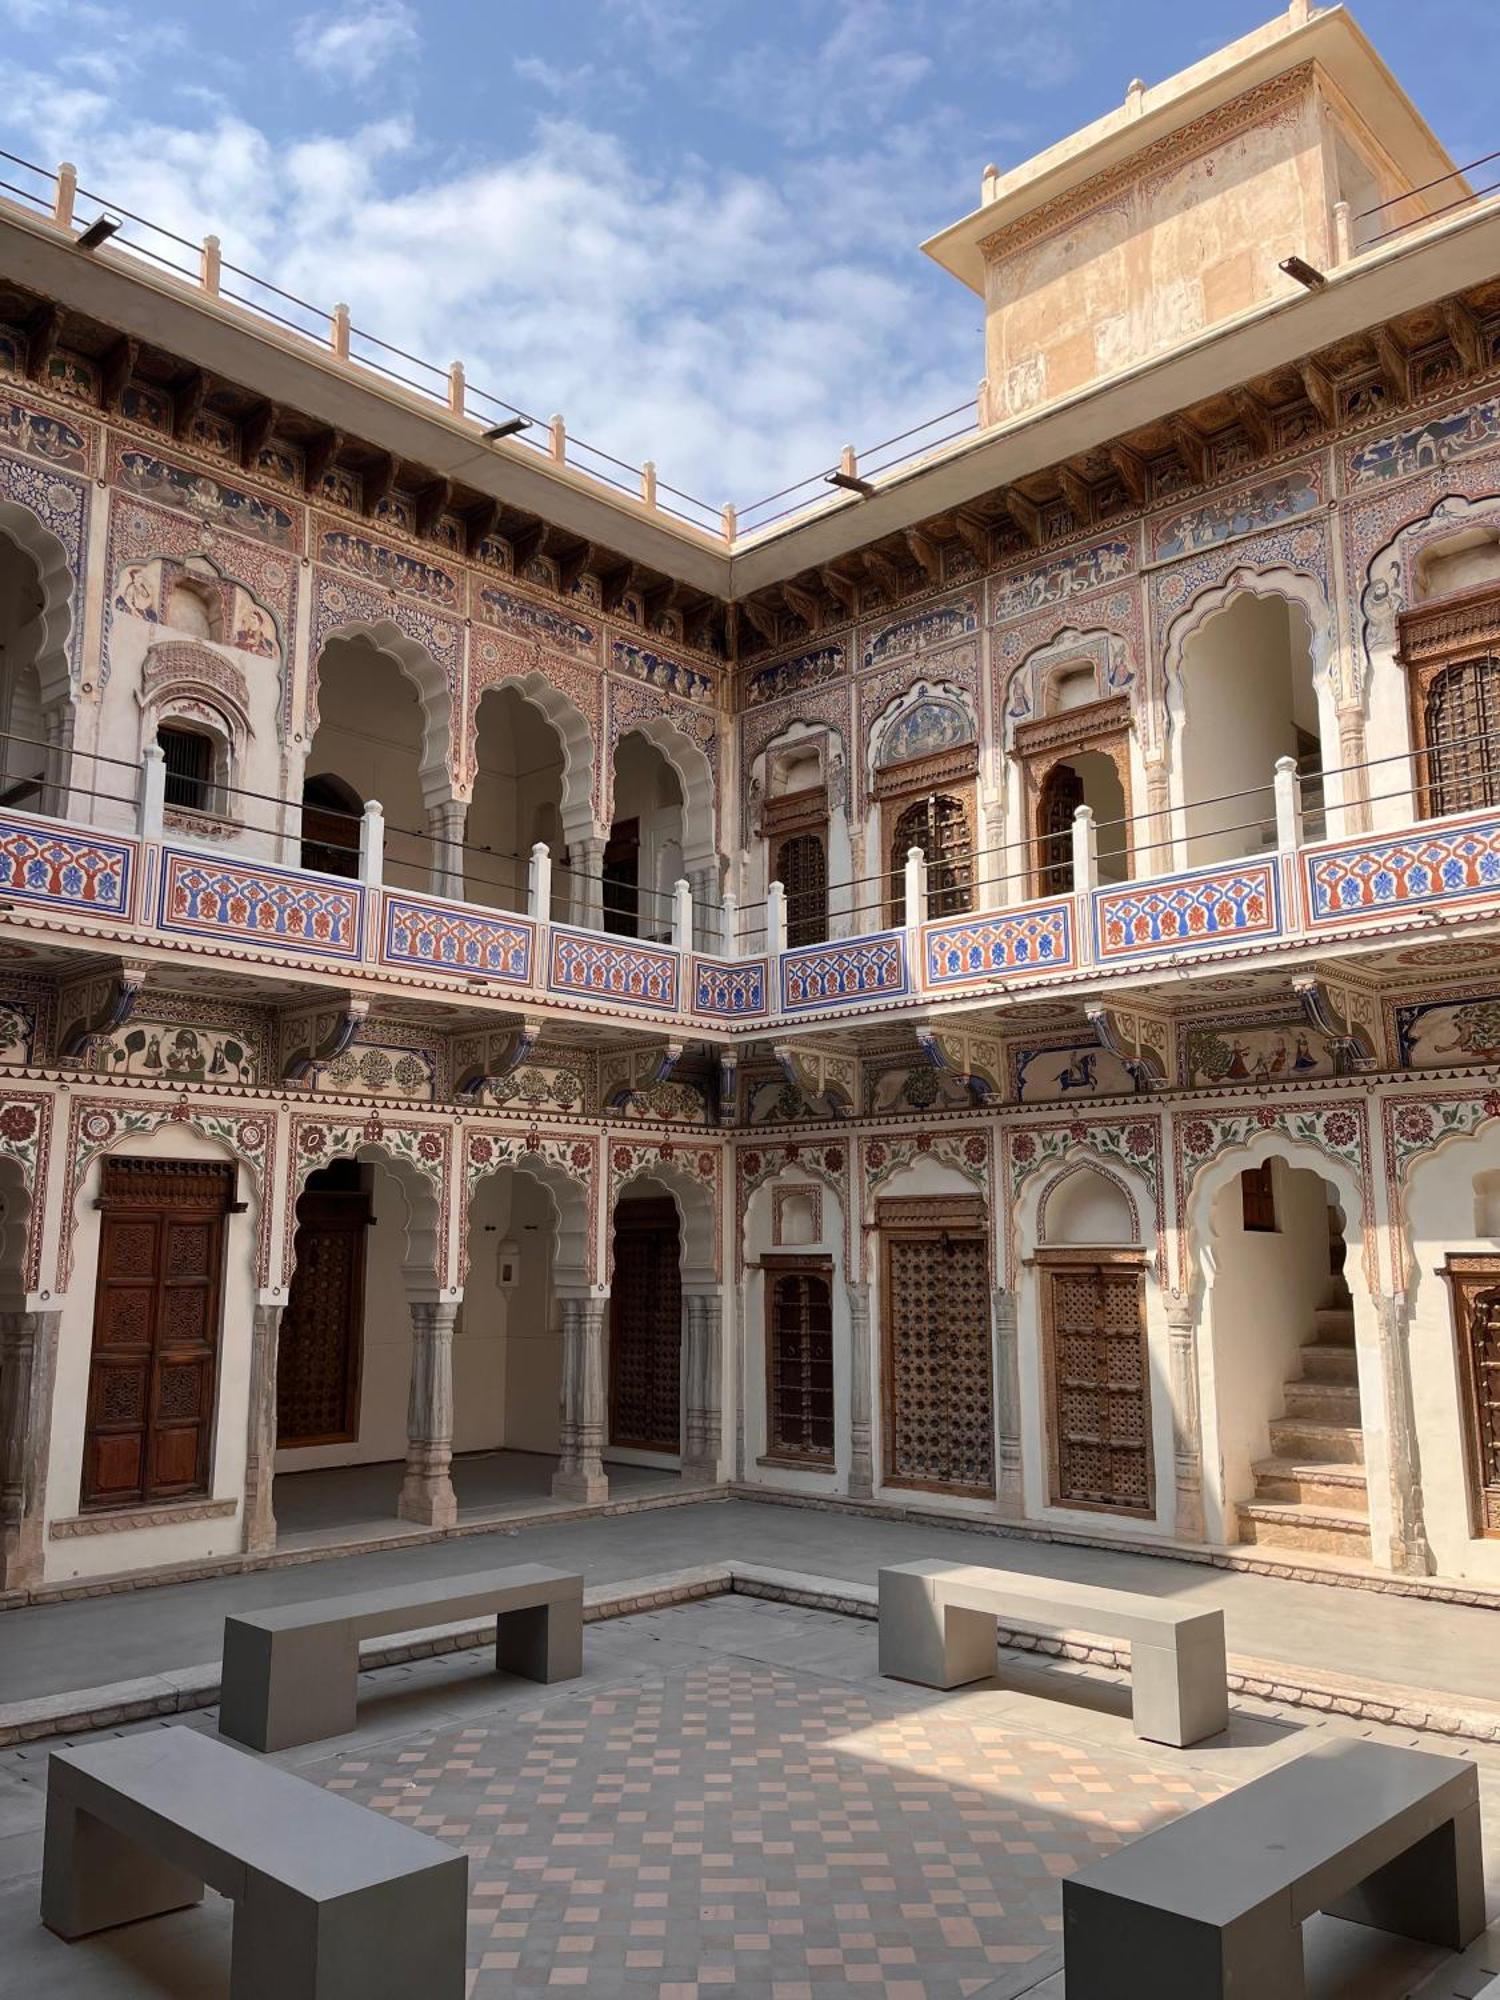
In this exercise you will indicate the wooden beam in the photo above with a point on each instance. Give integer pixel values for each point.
(842, 587)
(1025, 513)
(1391, 362)
(117, 372)
(1191, 448)
(927, 553)
(479, 522)
(255, 431)
(762, 619)
(1077, 492)
(317, 455)
(187, 403)
(887, 576)
(1132, 470)
(375, 483)
(805, 605)
(430, 503)
(1465, 332)
(1254, 419)
(1319, 389)
(41, 335)
(976, 534)
(612, 588)
(572, 566)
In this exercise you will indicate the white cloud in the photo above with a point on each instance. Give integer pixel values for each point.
(357, 46)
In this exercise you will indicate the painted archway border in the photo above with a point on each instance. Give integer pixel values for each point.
(314, 1141)
(674, 1160)
(96, 1124)
(1414, 1128)
(824, 1160)
(568, 1153)
(1135, 1143)
(967, 1150)
(1337, 1129)
(26, 1138)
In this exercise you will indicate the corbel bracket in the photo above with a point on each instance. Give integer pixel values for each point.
(105, 1001)
(504, 1054)
(973, 1059)
(1141, 1041)
(328, 1036)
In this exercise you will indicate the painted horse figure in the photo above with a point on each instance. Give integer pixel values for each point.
(1079, 1074)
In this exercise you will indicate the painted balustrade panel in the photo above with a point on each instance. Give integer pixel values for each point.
(1016, 943)
(316, 916)
(595, 967)
(429, 935)
(844, 972)
(1363, 881)
(730, 989)
(57, 867)
(1235, 902)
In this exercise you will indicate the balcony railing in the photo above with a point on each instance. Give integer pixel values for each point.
(154, 886)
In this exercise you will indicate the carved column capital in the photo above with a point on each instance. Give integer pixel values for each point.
(427, 1490)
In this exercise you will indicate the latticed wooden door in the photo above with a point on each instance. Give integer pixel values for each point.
(939, 1429)
(1461, 717)
(939, 825)
(1100, 1415)
(322, 1329)
(645, 1328)
(802, 869)
(1475, 1283)
(1061, 796)
(799, 1365)
(156, 1330)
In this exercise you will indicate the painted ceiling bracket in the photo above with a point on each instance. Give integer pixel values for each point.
(328, 1037)
(1330, 1007)
(1141, 1041)
(504, 1055)
(106, 1001)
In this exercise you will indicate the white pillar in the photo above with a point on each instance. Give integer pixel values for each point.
(372, 845)
(153, 800)
(1009, 1494)
(1409, 1550)
(682, 914)
(1288, 788)
(539, 883)
(776, 919)
(28, 1374)
(916, 887)
(703, 1427)
(260, 1440)
(704, 883)
(729, 925)
(586, 866)
(861, 1454)
(1085, 851)
(445, 826)
(580, 1468)
(427, 1489)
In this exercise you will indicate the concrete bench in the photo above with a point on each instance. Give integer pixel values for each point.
(291, 1673)
(1214, 1903)
(331, 1902)
(937, 1627)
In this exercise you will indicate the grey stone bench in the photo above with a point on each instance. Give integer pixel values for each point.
(291, 1673)
(331, 1902)
(937, 1627)
(1214, 1903)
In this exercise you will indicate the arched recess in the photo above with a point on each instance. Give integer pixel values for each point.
(1070, 731)
(797, 1348)
(1243, 1316)
(1094, 1384)
(695, 774)
(798, 786)
(532, 779)
(36, 684)
(1249, 678)
(1448, 1219)
(921, 768)
(662, 1264)
(661, 830)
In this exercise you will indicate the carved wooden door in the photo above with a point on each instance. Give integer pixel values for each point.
(622, 879)
(1475, 1285)
(1061, 796)
(939, 1428)
(322, 1329)
(939, 825)
(1463, 748)
(799, 1365)
(645, 1328)
(802, 869)
(1099, 1387)
(157, 1306)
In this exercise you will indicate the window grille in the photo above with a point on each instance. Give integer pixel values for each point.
(800, 1367)
(939, 825)
(1461, 718)
(802, 868)
(190, 768)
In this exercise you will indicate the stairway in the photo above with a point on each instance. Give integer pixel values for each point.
(1311, 1493)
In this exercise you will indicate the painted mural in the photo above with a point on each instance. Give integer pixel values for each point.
(527, 619)
(172, 485)
(1071, 1073)
(1430, 1035)
(18, 1032)
(794, 676)
(913, 1087)
(639, 663)
(1020, 592)
(922, 630)
(378, 1069)
(1436, 442)
(1261, 1054)
(391, 568)
(1244, 511)
(177, 1053)
(925, 728)
(38, 435)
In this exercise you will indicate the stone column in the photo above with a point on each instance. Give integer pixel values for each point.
(28, 1373)
(702, 1388)
(427, 1490)
(1410, 1553)
(260, 1440)
(1355, 784)
(704, 883)
(580, 1471)
(1010, 1500)
(861, 1455)
(57, 727)
(1160, 859)
(1187, 1431)
(586, 883)
(446, 823)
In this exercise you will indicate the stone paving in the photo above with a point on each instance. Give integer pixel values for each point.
(731, 1800)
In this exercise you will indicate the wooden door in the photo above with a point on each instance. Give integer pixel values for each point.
(322, 1329)
(1061, 796)
(939, 1426)
(622, 879)
(645, 1328)
(1474, 1282)
(1099, 1395)
(157, 1305)
(799, 1363)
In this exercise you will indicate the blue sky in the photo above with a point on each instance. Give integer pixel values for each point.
(690, 225)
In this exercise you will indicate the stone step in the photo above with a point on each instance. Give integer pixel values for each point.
(1313, 1483)
(1284, 1525)
(1307, 1440)
(1335, 1324)
(1329, 1361)
(1324, 1402)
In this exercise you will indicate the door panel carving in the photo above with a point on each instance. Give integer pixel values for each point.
(1099, 1395)
(1474, 1283)
(322, 1329)
(645, 1328)
(939, 1426)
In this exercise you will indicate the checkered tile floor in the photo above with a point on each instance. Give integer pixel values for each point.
(731, 1827)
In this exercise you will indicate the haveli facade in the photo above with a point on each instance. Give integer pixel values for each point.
(981, 995)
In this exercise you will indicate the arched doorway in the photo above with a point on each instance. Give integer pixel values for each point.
(644, 855)
(374, 741)
(332, 819)
(23, 751)
(518, 797)
(1247, 699)
(1085, 778)
(1286, 1380)
(645, 1326)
